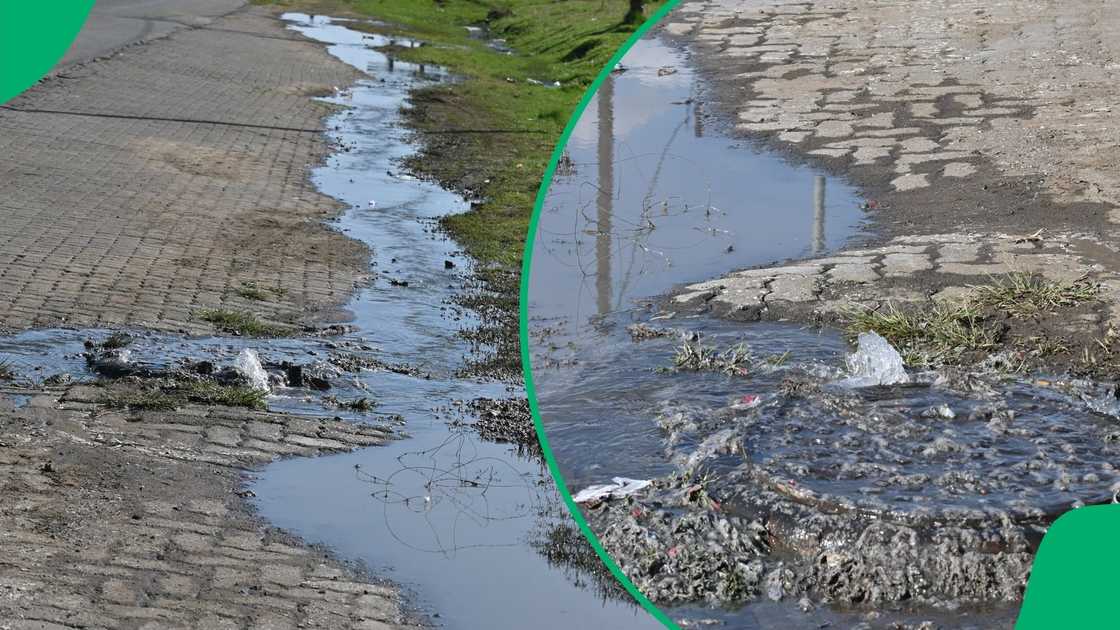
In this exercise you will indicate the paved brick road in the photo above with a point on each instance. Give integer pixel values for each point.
(113, 221)
(972, 125)
(118, 520)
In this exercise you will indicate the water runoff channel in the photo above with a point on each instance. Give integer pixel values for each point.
(651, 193)
(459, 522)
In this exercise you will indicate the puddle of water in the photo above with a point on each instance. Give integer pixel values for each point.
(649, 195)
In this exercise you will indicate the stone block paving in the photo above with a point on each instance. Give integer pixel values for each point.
(907, 271)
(925, 89)
(130, 216)
(137, 520)
(980, 123)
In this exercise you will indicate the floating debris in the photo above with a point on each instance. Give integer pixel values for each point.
(621, 487)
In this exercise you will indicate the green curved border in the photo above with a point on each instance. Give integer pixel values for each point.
(526, 365)
(34, 36)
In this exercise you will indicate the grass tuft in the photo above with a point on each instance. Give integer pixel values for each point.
(7, 371)
(942, 334)
(146, 400)
(1022, 294)
(361, 405)
(241, 323)
(251, 291)
(175, 395)
(116, 341)
(211, 393)
(948, 334)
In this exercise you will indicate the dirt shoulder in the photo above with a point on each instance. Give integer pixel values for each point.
(167, 178)
(979, 135)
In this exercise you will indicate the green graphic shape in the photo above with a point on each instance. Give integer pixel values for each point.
(1072, 581)
(33, 38)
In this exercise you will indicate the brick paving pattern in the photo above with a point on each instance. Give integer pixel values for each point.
(135, 520)
(141, 221)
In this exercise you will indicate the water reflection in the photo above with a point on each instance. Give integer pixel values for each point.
(818, 215)
(648, 194)
(603, 229)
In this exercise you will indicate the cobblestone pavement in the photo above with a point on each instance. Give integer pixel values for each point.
(969, 125)
(140, 188)
(905, 271)
(135, 520)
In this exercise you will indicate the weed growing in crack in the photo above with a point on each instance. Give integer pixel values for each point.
(147, 400)
(211, 393)
(174, 395)
(250, 291)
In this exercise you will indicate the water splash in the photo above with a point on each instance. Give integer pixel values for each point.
(248, 364)
(875, 362)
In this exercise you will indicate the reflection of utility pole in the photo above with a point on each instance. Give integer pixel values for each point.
(698, 111)
(818, 215)
(605, 197)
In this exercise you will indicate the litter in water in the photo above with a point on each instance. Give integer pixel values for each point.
(621, 487)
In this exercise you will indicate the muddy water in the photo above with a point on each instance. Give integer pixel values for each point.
(456, 521)
(651, 195)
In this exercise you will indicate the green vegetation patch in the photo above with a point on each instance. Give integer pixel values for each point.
(938, 335)
(241, 323)
(980, 324)
(172, 395)
(1023, 295)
